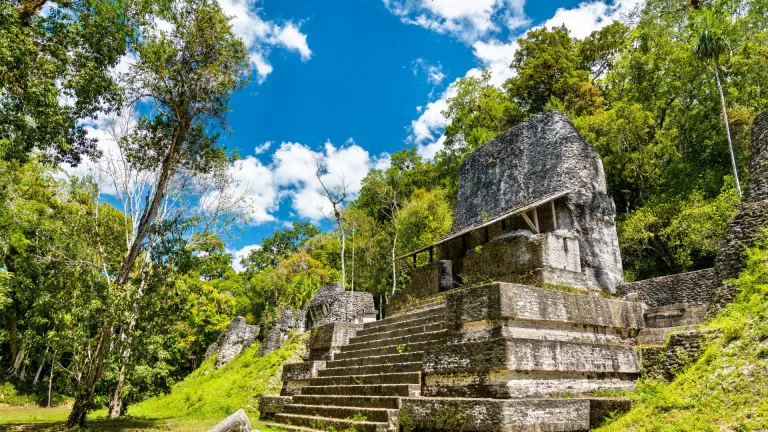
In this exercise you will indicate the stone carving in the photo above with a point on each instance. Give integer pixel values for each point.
(538, 158)
(751, 217)
(233, 341)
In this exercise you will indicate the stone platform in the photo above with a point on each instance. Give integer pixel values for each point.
(512, 356)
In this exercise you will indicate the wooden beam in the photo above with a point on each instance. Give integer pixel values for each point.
(536, 219)
(486, 234)
(431, 250)
(503, 225)
(414, 260)
(530, 224)
(554, 214)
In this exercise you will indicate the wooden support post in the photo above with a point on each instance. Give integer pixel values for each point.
(554, 214)
(503, 225)
(431, 255)
(414, 260)
(536, 219)
(486, 234)
(531, 225)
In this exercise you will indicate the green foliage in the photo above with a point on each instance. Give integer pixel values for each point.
(55, 72)
(280, 244)
(727, 387)
(425, 218)
(214, 394)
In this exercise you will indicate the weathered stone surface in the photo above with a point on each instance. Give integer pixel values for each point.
(271, 405)
(751, 218)
(333, 304)
(426, 281)
(327, 340)
(288, 320)
(233, 341)
(237, 422)
(693, 288)
(537, 158)
(522, 302)
(494, 415)
(680, 350)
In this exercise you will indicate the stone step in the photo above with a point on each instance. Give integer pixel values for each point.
(435, 318)
(388, 402)
(419, 305)
(285, 427)
(377, 415)
(401, 390)
(408, 331)
(402, 340)
(393, 349)
(407, 317)
(656, 336)
(377, 360)
(393, 378)
(371, 370)
(324, 423)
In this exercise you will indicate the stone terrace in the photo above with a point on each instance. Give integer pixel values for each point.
(496, 357)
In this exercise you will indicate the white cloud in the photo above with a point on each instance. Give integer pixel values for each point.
(590, 16)
(434, 73)
(255, 181)
(430, 149)
(261, 36)
(238, 254)
(467, 20)
(263, 148)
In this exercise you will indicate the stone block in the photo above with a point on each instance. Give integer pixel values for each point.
(426, 281)
(271, 405)
(237, 422)
(333, 304)
(494, 415)
(526, 303)
(692, 288)
(326, 340)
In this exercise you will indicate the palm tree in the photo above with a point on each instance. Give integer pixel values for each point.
(710, 46)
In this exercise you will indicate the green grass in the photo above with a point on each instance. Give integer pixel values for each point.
(201, 400)
(726, 389)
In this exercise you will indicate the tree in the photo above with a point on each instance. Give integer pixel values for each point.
(280, 244)
(186, 76)
(711, 45)
(55, 72)
(335, 195)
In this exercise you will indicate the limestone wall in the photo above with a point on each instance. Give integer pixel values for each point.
(681, 349)
(751, 218)
(693, 288)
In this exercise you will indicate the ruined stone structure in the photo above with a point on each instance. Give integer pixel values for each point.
(523, 356)
(233, 341)
(751, 217)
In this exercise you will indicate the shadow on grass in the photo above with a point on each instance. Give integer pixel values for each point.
(124, 424)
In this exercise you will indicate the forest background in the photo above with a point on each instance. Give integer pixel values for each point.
(111, 302)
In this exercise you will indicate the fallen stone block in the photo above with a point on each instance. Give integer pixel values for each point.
(237, 422)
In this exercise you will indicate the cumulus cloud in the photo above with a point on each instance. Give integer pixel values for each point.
(467, 20)
(590, 16)
(261, 35)
(262, 148)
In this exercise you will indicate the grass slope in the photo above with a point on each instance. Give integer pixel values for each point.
(726, 389)
(211, 395)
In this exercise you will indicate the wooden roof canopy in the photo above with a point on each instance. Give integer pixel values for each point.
(519, 209)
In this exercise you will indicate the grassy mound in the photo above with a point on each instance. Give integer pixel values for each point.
(210, 395)
(727, 387)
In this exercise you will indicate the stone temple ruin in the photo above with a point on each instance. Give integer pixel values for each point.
(527, 351)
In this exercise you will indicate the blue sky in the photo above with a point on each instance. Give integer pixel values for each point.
(351, 81)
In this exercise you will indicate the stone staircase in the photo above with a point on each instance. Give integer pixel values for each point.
(362, 387)
(503, 357)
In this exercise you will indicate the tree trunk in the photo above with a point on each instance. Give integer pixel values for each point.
(40, 368)
(343, 246)
(394, 262)
(50, 378)
(87, 385)
(126, 337)
(727, 129)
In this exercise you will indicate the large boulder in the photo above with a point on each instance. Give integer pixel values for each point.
(333, 304)
(282, 326)
(237, 422)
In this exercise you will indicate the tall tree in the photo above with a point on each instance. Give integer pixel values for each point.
(185, 76)
(710, 46)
